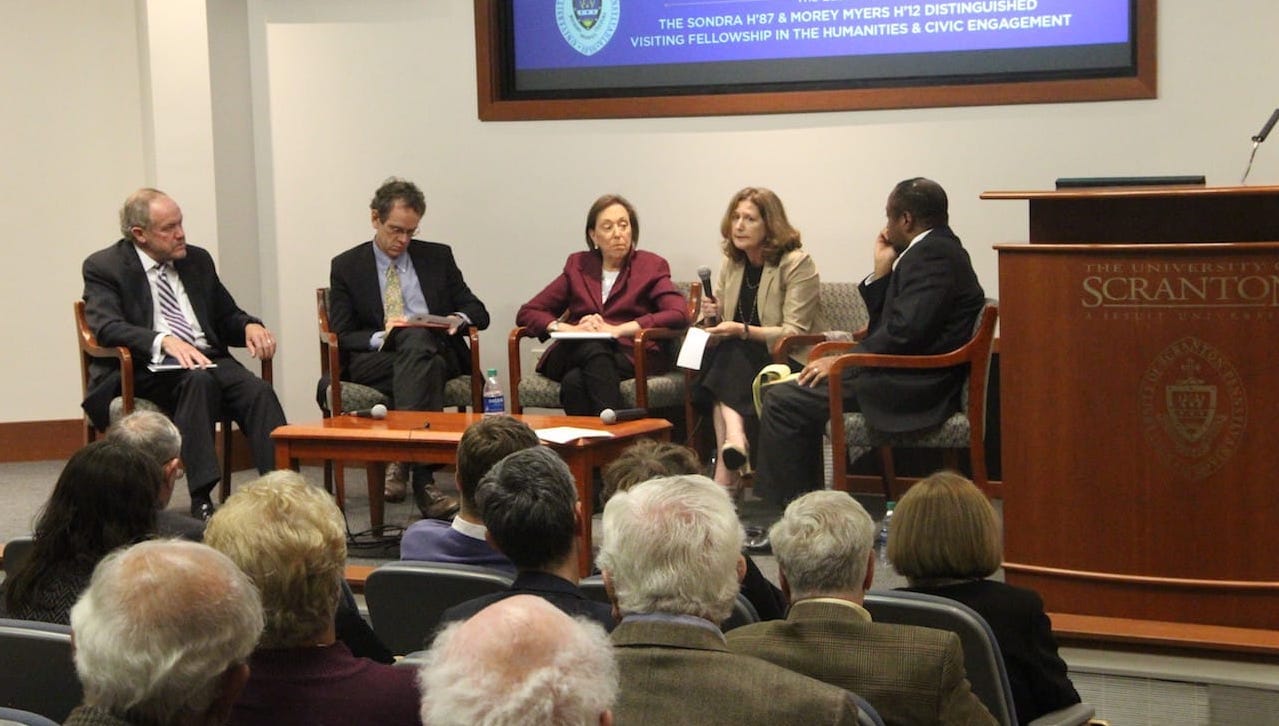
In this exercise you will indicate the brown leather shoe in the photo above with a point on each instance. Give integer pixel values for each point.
(433, 503)
(397, 482)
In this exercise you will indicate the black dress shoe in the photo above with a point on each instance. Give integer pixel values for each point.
(201, 508)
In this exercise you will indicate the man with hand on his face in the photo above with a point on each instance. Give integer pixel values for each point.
(162, 299)
(923, 299)
(381, 283)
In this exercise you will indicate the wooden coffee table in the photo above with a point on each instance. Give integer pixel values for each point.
(431, 438)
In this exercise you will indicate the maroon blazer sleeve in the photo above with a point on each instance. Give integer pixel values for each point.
(643, 293)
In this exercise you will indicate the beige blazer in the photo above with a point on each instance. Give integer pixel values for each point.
(788, 299)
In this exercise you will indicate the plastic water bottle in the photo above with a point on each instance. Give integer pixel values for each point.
(494, 400)
(881, 537)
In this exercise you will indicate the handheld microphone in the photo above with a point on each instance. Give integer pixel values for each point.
(705, 274)
(378, 411)
(609, 416)
(1265, 130)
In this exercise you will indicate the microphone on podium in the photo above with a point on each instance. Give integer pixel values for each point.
(705, 274)
(1256, 141)
(378, 411)
(610, 416)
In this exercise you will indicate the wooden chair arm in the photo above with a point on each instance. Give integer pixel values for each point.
(786, 343)
(477, 373)
(830, 347)
(513, 367)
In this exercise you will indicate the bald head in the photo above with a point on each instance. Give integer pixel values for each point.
(520, 660)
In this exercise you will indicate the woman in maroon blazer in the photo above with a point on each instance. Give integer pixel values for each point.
(613, 289)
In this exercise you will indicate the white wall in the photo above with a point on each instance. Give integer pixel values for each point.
(345, 94)
(71, 148)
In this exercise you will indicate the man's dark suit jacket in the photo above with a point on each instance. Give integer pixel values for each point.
(119, 309)
(355, 295)
(643, 292)
(676, 673)
(911, 675)
(556, 590)
(926, 306)
(1038, 676)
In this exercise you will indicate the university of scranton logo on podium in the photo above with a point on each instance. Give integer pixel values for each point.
(587, 25)
(1193, 408)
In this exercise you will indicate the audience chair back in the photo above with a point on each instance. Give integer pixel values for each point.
(126, 403)
(665, 391)
(406, 599)
(744, 612)
(964, 429)
(16, 552)
(38, 673)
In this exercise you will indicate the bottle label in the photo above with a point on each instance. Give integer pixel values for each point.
(494, 404)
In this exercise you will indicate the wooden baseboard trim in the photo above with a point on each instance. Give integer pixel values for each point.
(868, 484)
(57, 440)
(1094, 631)
(40, 440)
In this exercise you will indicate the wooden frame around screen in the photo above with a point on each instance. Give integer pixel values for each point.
(494, 107)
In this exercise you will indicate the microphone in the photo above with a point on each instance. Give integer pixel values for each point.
(705, 274)
(378, 412)
(1256, 141)
(609, 416)
(1265, 130)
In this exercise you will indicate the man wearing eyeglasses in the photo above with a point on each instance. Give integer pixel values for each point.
(377, 286)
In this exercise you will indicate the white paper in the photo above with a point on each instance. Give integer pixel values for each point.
(580, 335)
(163, 367)
(565, 434)
(690, 354)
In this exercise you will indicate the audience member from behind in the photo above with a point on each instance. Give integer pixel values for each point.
(157, 437)
(483, 444)
(289, 538)
(945, 541)
(529, 504)
(648, 459)
(163, 636)
(104, 499)
(672, 561)
(911, 675)
(519, 661)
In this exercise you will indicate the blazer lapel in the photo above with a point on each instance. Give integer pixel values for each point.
(135, 277)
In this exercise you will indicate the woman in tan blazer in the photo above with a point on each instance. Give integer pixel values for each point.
(767, 287)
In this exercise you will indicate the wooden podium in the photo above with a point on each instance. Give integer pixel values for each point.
(1139, 334)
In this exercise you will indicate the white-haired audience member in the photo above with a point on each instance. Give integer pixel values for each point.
(289, 537)
(156, 436)
(519, 661)
(672, 563)
(162, 636)
(911, 675)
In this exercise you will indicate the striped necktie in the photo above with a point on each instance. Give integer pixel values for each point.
(170, 308)
(393, 299)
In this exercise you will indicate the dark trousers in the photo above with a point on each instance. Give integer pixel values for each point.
(791, 425)
(197, 400)
(590, 373)
(412, 371)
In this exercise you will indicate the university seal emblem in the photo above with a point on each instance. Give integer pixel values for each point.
(1193, 408)
(587, 25)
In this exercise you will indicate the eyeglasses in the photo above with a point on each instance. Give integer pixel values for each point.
(397, 231)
